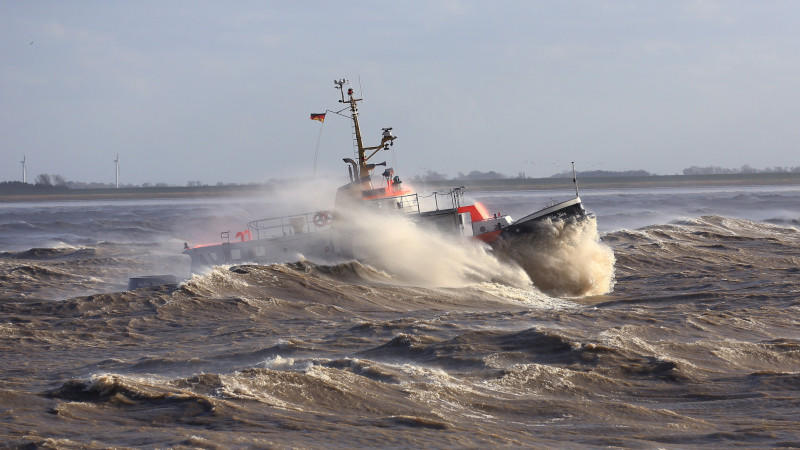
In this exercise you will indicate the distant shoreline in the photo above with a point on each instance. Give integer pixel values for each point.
(586, 184)
(136, 193)
(633, 182)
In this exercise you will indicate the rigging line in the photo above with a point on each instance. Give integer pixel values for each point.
(338, 113)
(316, 150)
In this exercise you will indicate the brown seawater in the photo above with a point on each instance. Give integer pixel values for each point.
(698, 344)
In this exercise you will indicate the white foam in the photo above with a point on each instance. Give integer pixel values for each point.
(565, 258)
(278, 361)
(532, 297)
(416, 254)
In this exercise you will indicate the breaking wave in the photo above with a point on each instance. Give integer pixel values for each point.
(566, 258)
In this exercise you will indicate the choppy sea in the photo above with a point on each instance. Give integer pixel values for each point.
(671, 321)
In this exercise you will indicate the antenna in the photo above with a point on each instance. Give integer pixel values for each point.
(116, 163)
(575, 179)
(339, 84)
(24, 169)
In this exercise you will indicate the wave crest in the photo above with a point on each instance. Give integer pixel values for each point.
(566, 258)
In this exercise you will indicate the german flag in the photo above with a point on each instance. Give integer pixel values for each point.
(319, 117)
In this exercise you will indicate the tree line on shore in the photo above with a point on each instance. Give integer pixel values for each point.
(54, 182)
(475, 175)
(745, 169)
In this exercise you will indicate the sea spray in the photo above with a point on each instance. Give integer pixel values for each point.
(565, 258)
(421, 255)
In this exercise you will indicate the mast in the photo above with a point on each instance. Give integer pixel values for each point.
(363, 172)
(387, 139)
(575, 179)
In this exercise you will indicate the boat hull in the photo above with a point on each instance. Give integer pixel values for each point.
(328, 244)
(318, 245)
(570, 210)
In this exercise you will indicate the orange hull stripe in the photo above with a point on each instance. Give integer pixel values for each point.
(489, 237)
(477, 212)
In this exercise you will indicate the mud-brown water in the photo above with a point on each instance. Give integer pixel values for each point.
(698, 344)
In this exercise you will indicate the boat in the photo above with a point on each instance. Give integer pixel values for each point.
(325, 235)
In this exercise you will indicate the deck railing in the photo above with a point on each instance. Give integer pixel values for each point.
(290, 225)
(311, 222)
(408, 204)
(438, 201)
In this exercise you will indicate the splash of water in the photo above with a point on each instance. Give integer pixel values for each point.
(566, 258)
(420, 255)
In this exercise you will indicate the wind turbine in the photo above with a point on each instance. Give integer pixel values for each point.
(24, 169)
(116, 163)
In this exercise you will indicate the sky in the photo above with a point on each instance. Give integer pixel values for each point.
(222, 91)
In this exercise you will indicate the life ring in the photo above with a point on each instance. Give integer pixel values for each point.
(322, 218)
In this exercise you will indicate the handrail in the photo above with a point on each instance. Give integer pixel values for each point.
(408, 203)
(288, 225)
(455, 196)
(309, 222)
